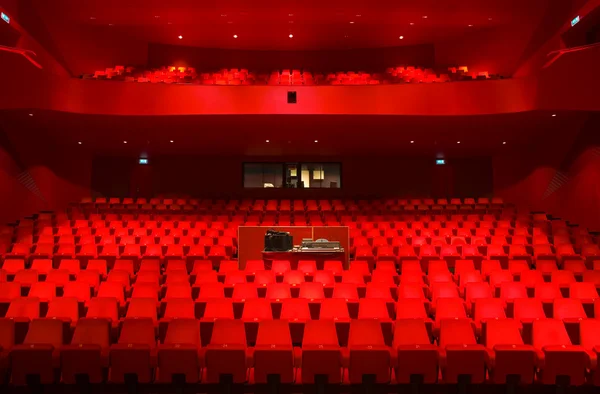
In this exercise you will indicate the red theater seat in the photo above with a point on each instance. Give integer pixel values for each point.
(413, 352)
(179, 355)
(321, 354)
(88, 352)
(226, 354)
(135, 352)
(460, 353)
(367, 353)
(274, 353)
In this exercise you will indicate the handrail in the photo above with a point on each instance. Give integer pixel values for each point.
(559, 52)
(26, 53)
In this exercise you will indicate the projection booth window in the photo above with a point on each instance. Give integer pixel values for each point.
(292, 175)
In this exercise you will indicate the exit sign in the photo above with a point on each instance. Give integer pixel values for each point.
(575, 21)
(5, 18)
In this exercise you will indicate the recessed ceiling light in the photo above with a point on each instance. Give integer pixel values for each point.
(352, 22)
(79, 142)
(554, 115)
(157, 16)
(267, 141)
(93, 18)
(358, 15)
(458, 142)
(180, 37)
(30, 114)
(470, 25)
(223, 15)
(424, 16)
(316, 140)
(171, 141)
(235, 36)
(229, 22)
(503, 142)
(111, 24)
(401, 37)
(290, 14)
(411, 23)
(169, 23)
(124, 142)
(412, 142)
(489, 19)
(291, 36)
(291, 22)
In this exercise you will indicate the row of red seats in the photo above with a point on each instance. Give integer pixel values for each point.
(500, 355)
(238, 77)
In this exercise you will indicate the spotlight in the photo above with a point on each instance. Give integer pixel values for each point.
(30, 114)
(316, 141)
(171, 141)
(554, 115)
(124, 142)
(503, 142)
(79, 142)
(235, 36)
(412, 142)
(401, 37)
(180, 37)
(458, 142)
(267, 141)
(424, 16)
(291, 36)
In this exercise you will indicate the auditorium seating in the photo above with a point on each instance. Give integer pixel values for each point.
(243, 77)
(119, 305)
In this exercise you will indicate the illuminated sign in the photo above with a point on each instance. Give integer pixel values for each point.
(143, 161)
(5, 17)
(575, 21)
(440, 162)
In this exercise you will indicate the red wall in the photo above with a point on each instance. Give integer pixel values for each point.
(559, 175)
(38, 176)
(374, 60)
(361, 177)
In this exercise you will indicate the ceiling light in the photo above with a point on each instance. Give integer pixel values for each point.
(171, 141)
(352, 23)
(458, 142)
(79, 142)
(424, 16)
(157, 16)
(111, 24)
(267, 141)
(411, 23)
(470, 25)
(124, 142)
(229, 22)
(291, 36)
(412, 142)
(290, 14)
(169, 23)
(235, 36)
(401, 37)
(358, 15)
(180, 37)
(30, 114)
(316, 140)
(489, 19)
(93, 18)
(503, 142)
(223, 15)
(554, 115)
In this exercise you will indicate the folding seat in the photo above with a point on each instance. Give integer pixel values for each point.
(563, 279)
(347, 291)
(112, 290)
(205, 277)
(210, 291)
(201, 266)
(244, 291)
(414, 353)
(297, 312)
(460, 353)
(234, 277)
(441, 290)
(274, 353)
(218, 309)
(470, 252)
(23, 310)
(590, 252)
(176, 266)
(26, 278)
(386, 277)
(87, 252)
(226, 353)
(278, 291)
(360, 267)
(177, 291)
(146, 290)
(406, 252)
(254, 265)
(510, 355)
(586, 293)
(263, 278)
(19, 251)
(44, 291)
(486, 309)
(509, 291)
(353, 277)
(367, 353)
(334, 266)
(497, 278)
(255, 310)
(124, 266)
(543, 252)
(468, 277)
(11, 267)
(571, 312)
(590, 341)
(558, 357)
(120, 277)
(293, 278)
(321, 353)
(42, 266)
(134, 352)
(110, 252)
(577, 267)
(72, 266)
(311, 291)
(142, 308)
(65, 309)
(39, 353)
(179, 355)
(449, 308)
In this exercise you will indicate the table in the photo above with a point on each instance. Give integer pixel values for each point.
(296, 255)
